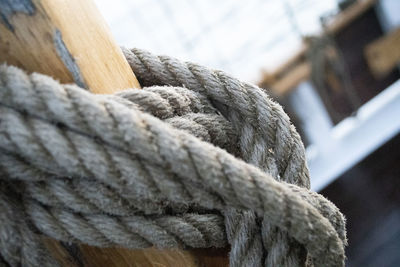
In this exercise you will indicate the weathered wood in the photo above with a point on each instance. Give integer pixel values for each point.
(70, 41)
(65, 39)
(384, 54)
(85, 255)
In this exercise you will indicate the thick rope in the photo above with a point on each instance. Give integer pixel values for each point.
(164, 70)
(103, 170)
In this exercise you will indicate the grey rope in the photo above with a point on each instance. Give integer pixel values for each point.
(106, 171)
(164, 70)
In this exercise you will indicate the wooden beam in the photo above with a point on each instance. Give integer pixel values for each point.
(299, 73)
(383, 54)
(120, 257)
(70, 41)
(348, 15)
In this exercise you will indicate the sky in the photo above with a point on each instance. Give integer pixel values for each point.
(242, 38)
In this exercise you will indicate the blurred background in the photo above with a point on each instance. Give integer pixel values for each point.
(333, 65)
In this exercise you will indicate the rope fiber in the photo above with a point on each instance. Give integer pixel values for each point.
(195, 159)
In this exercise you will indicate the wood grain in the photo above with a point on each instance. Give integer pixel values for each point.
(59, 35)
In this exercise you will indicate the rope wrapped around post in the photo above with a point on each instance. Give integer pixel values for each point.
(195, 159)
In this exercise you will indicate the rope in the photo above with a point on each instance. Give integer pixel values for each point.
(194, 159)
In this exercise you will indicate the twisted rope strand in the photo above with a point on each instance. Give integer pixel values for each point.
(19, 245)
(128, 231)
(237, 98)
(37, 131)
(284, 156)
(164, 70)
(254, 151)
(52, 127)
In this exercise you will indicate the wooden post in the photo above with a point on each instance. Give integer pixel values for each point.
(70, 41)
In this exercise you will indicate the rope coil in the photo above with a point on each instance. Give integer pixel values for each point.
(195, 159)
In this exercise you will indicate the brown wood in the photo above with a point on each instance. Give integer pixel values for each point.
(70, 41)
(296, 75)
(348, 15)
(288, 75)
(94, 257)
(383, 54)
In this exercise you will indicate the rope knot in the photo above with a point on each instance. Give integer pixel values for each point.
(194, 159)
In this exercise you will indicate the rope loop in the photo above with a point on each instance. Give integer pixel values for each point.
(195, 159)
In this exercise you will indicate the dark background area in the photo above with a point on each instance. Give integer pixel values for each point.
(369, 196)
